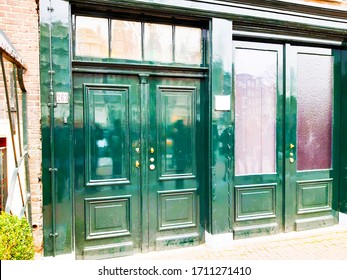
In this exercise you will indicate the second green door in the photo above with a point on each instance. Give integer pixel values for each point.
(286, 138)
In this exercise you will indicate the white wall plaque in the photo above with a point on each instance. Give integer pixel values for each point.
(62, 97)
(222, 102)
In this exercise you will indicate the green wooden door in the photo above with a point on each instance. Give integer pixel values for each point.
(311, 147)
(136, 172)
(107, 182)
(286, 131)
(174, 162)
(258, 134)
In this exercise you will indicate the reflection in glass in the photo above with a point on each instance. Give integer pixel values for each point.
(91, 37)
(177, 134)
(188, 45)
(107, 136)
(126, 40)
(314, 115)
(158, 42)
(255, 111)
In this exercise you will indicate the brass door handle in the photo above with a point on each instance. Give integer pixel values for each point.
(137, 164)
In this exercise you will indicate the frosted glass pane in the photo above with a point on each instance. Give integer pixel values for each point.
(188, 45)
(91, 37)
(158, 42)
(314, 111)
(255, 111)
(126, 40)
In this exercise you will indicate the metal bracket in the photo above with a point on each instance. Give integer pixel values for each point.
(52, 169)
(50, 104)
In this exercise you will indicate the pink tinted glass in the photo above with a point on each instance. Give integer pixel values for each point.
(314, 111)
(255, 111)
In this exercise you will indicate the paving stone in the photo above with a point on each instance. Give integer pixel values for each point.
(319, 244)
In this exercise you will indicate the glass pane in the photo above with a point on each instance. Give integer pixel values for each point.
(91, 37)
(188, 45)
(126, 40)
(314, 115)
(158, 42)
(176, 134)
(108, 142)
(255, 111)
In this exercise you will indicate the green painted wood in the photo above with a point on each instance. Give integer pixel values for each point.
(220, 192)
(220, 196)
(63, 150)
(128, 197)
(107, 181)
(311, 197)
(258, 197)
(343, 164)
(175, 183)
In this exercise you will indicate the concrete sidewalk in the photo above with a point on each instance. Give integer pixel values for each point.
(319, 244)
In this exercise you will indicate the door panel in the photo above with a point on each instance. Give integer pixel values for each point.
(107, 186)
(258, 139)
(309, 148)
(137, 184)
(174, 184)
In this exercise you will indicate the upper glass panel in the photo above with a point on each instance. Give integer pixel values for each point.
(314, 111)
(126, 40)
(91, 37)
(107, 141)
(176, 134)
(158, 42)
(104, 38)
(255, 111)
(188, 45)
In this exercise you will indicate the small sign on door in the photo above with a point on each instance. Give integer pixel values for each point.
(62, 97)
(222, 103)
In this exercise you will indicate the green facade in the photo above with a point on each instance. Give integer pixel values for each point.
(163, 205)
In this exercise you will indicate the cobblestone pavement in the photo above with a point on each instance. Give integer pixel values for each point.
(319, 244)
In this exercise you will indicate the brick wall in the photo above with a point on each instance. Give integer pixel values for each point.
(19, 21)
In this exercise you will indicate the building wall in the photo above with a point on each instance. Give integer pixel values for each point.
(19, 21)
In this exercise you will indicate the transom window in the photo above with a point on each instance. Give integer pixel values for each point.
(137, 40)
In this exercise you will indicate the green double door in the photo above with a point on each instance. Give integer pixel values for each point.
(286, 138)
(137, 177)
